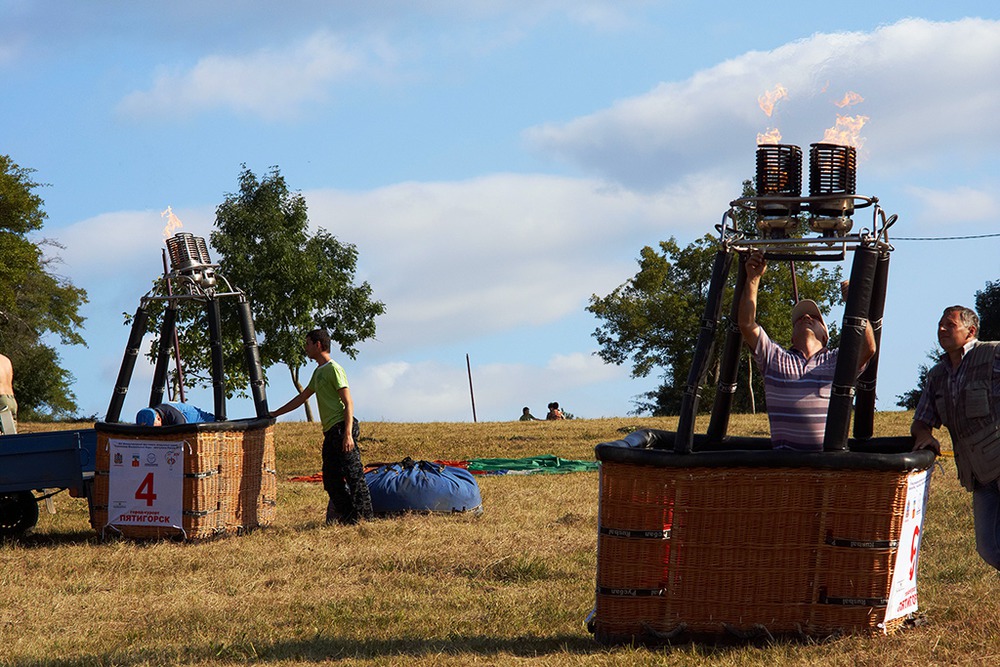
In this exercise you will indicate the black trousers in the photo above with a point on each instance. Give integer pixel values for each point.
(344, 476)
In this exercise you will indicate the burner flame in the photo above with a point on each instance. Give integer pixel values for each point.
(770, 98)
(173, 223)
(772, 136)
(766, 102)
(850, 99)
(847, 131)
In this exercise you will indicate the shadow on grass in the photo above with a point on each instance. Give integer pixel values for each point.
(325, 649)
(47, 540)
(321, 649)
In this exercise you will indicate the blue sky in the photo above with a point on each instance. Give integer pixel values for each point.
(495, 163)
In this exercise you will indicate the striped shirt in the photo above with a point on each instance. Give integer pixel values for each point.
(798, 393)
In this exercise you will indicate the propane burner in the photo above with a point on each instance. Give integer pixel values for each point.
(189, 259)
(779, 177)
(832, 172)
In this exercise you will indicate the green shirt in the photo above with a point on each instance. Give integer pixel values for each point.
(327, 381)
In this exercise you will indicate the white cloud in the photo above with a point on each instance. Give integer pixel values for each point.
(453, 260)
(505, 253)
(122, 247)
(273, 84)
(954, 206)
(929, 89)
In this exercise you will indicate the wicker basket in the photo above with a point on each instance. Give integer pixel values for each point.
(762, 543)
(230, 481)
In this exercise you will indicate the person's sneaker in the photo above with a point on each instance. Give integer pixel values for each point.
(332, 516)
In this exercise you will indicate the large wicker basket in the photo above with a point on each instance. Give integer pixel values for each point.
(230, 477)
(735, 544)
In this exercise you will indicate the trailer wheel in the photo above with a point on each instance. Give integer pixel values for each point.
(18, 513)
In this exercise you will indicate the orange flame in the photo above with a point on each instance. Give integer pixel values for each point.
(173, 223)
(770, 98)
(772, 136)
(850, 98)
(847, 131)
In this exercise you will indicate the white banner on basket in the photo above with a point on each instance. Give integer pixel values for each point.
(146, 483)
(903, 592)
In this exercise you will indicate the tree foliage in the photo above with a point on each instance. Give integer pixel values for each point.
(295, 281)
(988, 309)
(37, 306)
(908, 400)
(653, 319)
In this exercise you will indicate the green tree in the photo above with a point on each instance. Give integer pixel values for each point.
(908, 400)
(653, 319)
(988, 309)
(295, 281)
(37, 306)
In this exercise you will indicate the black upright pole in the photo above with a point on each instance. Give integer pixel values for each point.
(729, 364)
(139, 322)
(702, 353)
(864, 403)
(838, 417)
(167, 331)
(177, 343)
(252, 355)
(218, 363)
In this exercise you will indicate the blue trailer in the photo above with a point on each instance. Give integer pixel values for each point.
(36, 466)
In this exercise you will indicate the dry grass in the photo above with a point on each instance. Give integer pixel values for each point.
(510, 587)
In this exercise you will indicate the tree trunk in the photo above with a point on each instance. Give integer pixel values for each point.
(298, 387)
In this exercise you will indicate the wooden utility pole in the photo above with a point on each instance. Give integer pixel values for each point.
(472, 394)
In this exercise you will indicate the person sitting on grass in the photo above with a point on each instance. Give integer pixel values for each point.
(526, 416)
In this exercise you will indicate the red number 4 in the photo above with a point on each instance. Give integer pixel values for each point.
(145, 490)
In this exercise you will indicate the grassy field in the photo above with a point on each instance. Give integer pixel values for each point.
(512, 586)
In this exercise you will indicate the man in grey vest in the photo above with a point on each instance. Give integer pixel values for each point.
(963, 393)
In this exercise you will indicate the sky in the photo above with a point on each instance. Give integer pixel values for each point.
(494, 163)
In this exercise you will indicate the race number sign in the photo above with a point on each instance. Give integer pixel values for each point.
(146, 483)
(903, 592)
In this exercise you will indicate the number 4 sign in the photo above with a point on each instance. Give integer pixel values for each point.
(146, 483)
(145, 490)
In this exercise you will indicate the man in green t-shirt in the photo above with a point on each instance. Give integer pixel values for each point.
(343, 474)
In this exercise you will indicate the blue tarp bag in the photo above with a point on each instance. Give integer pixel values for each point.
(422, 486)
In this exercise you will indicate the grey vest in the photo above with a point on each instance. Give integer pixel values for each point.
(973, 417)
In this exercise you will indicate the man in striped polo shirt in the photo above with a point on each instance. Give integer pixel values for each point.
(797, 381)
